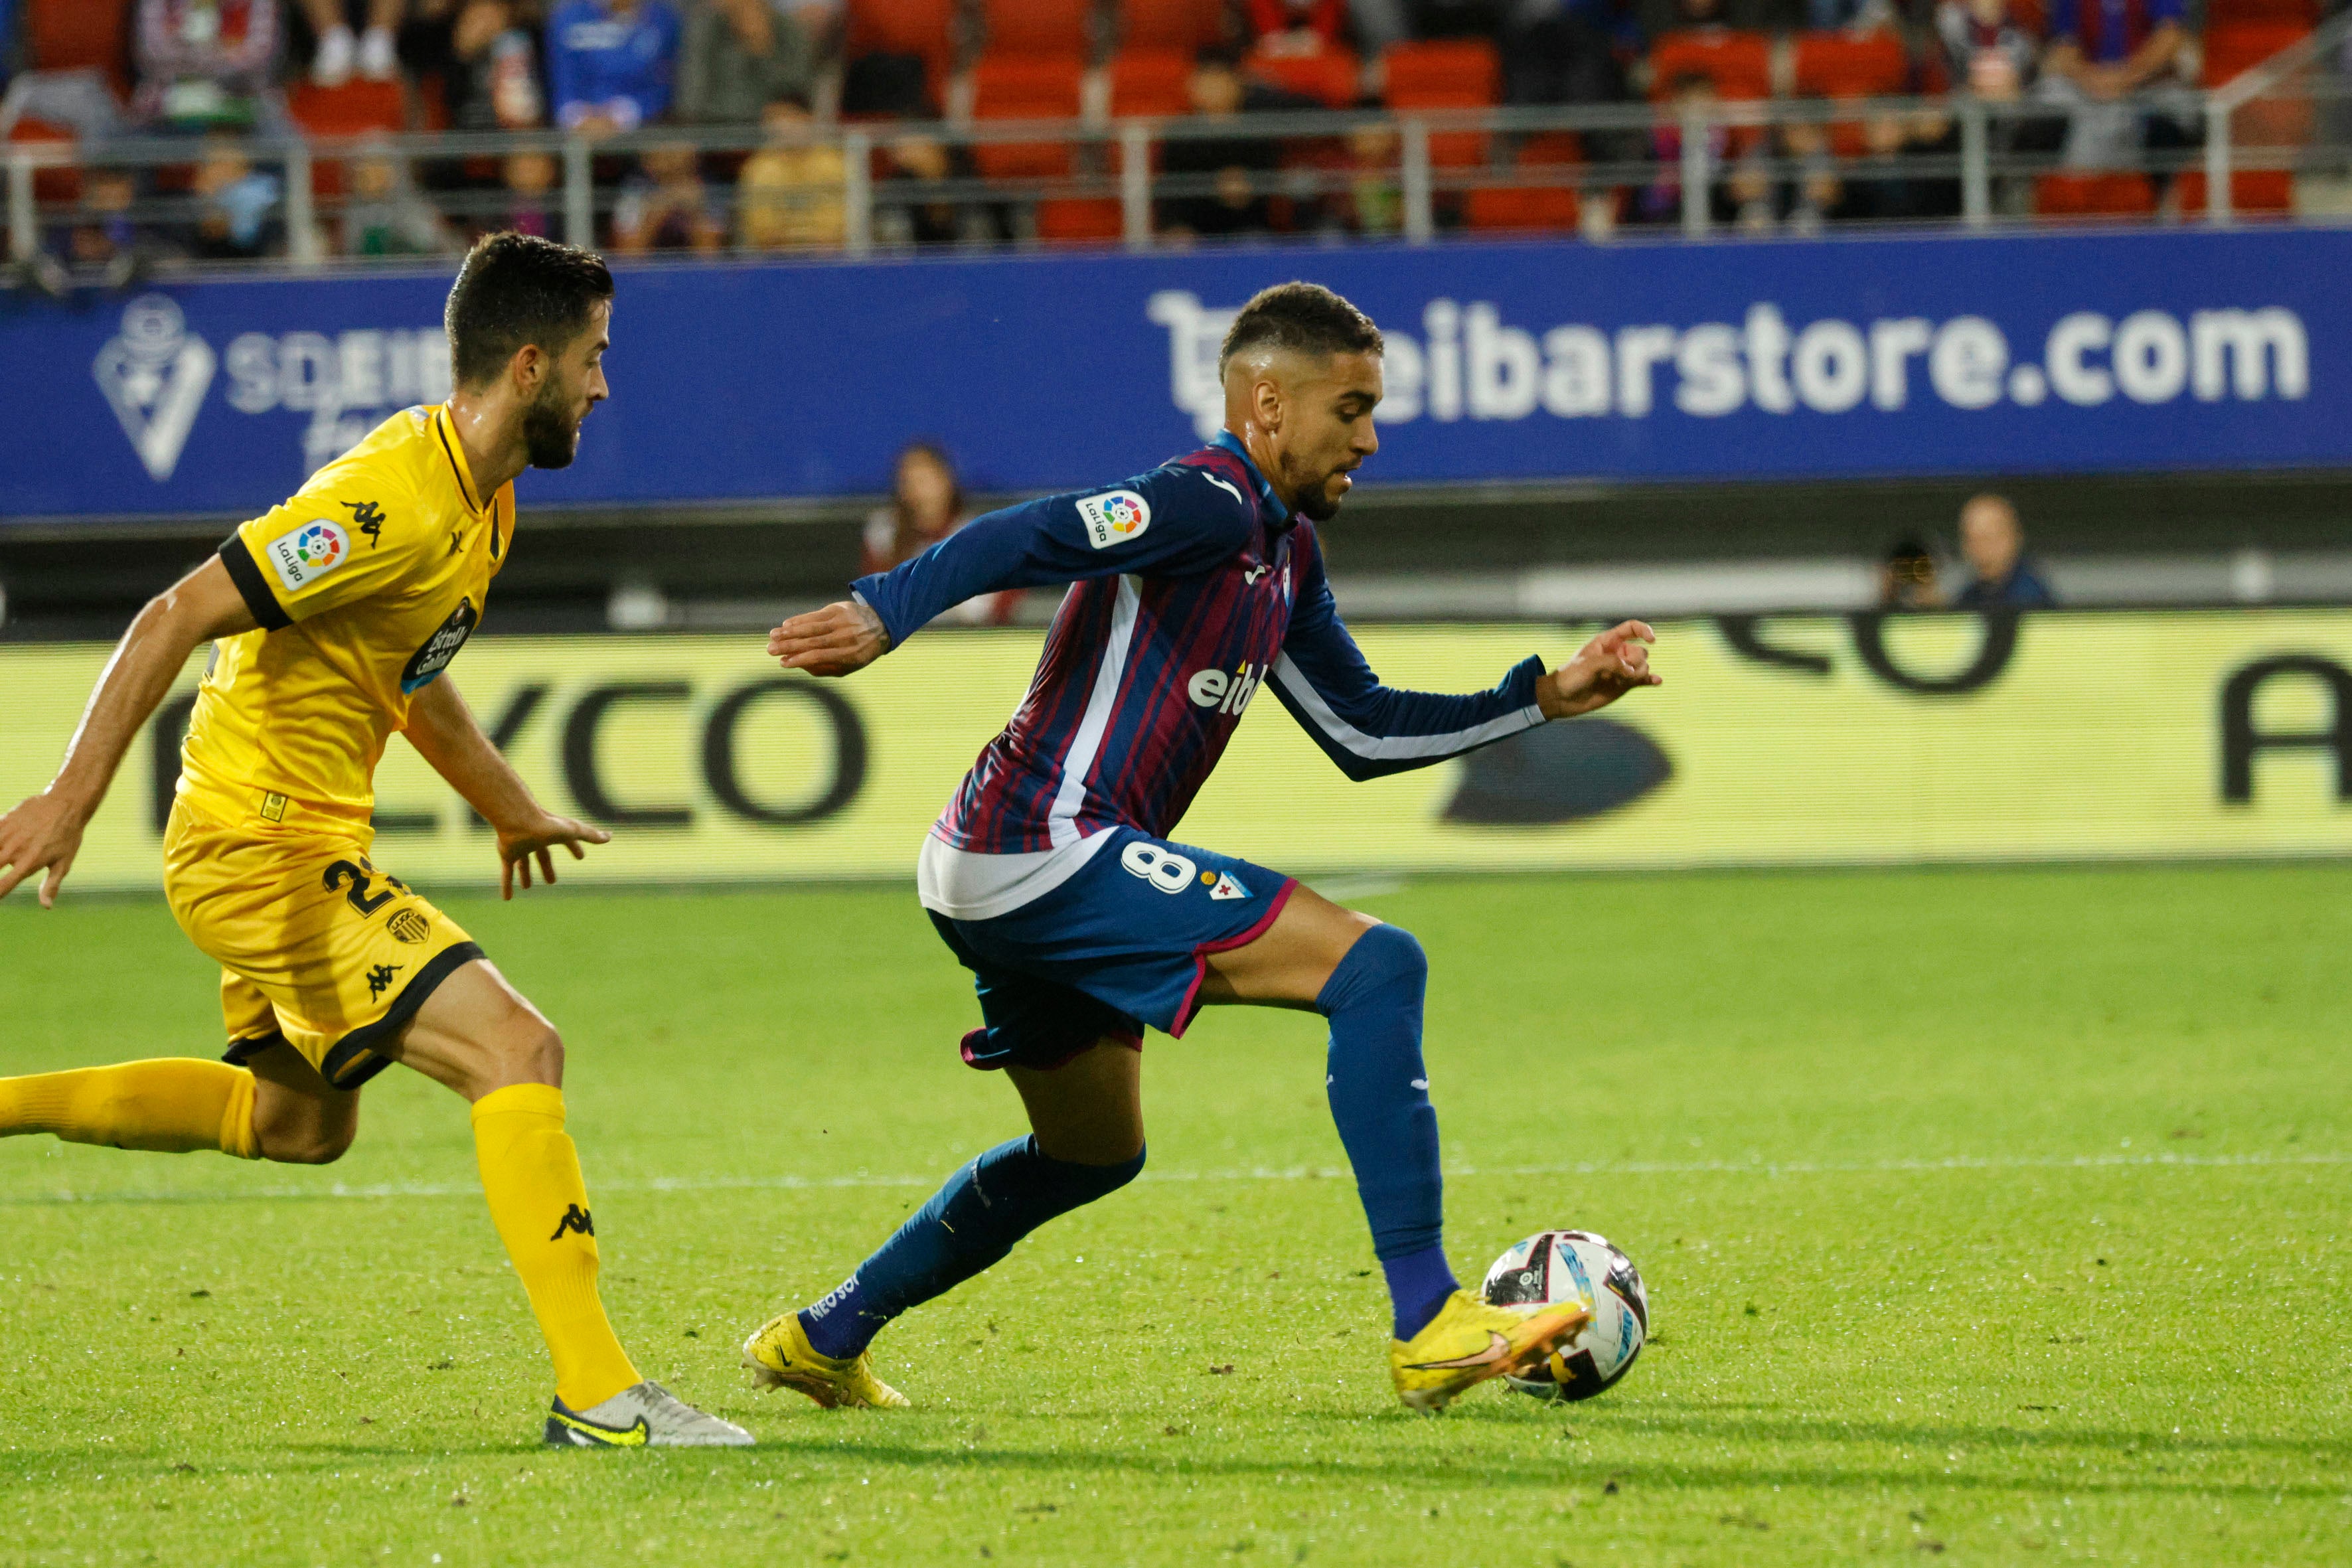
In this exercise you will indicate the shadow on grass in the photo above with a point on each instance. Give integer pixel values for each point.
(1113, 1464)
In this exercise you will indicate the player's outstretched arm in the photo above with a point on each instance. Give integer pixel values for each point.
(1603, 670)
(45, 832)
(443, 729)
(838, 639)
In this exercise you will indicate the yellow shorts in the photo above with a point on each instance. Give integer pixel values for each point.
(317, 947)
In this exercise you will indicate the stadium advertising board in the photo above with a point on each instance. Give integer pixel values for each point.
(1637, 360)
(1791, 741)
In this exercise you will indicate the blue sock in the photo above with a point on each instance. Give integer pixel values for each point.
(1380, 1100)
(970, 1223)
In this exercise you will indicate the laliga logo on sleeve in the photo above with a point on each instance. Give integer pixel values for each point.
(155, 374)
(1114, 518)
(307, 553)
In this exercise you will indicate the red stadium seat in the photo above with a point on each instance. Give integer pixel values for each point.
(1332, 78)
(1184, 25)
(1844, 65)
(1837, 65)
(1525, 209)
(79, 35)
(2252, 192)
(1038, 27)
(61, 185)
(1738, 64)
(355, 108)
(1026, 87)
(2232, 48)
(1451, 73)
(1150, 82)
(1548, 148)
(924, 28)
(1072, 221)
(2109, 194)
(2231, 13)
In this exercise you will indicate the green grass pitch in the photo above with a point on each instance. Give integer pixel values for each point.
(1989, 1216)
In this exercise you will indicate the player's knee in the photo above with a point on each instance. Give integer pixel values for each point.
(1089, 1183)
(531, 1052)
(319, 1142)
(1384, 958)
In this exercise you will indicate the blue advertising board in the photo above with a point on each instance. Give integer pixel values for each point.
(1838, 358)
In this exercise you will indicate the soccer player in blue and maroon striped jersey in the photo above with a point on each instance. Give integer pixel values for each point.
(1052, 877)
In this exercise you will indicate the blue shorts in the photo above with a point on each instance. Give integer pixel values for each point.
(1123, 943)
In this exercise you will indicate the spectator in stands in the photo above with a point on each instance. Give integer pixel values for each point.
(665, 206)
(386, 215)
(1298, 27)
(1906, 578)
(1994, 542)
(1743, 194)
(915, 158)
(927, 504)
(792, 192)
(1981, 50)
(611, 63)
(1374, 201)
(206, 64)
(1567, 51)
(740, 57)
(1851, 16)
(103, 236)
(339, 49)
(489, 78)
(529, 179)
(2100, 52)
(1235, 164)
(1832, 192)
(237, 215)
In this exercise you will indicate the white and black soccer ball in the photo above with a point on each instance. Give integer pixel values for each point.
(1576, 1266)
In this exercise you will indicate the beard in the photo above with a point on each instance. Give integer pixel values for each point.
(551, 435)
(1318, 504)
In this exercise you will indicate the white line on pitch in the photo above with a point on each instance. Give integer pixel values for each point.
(1255, 1173)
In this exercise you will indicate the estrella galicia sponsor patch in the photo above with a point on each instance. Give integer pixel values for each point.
(440, 647)
(303, 555)
(1114, 517)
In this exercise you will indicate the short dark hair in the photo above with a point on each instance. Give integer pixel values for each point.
(516, 289)
(1306, 317)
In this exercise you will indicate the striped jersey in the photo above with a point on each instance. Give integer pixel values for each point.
(1192, 586)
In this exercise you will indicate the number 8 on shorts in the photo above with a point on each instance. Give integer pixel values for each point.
(1169, 872)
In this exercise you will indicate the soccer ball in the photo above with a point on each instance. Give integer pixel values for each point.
(1576, 1266)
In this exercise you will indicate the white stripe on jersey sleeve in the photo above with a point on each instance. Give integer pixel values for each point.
(1061, 825)
(1392, 748)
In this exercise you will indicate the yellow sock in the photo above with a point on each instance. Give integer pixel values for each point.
(169, 1105)
(530, 1174)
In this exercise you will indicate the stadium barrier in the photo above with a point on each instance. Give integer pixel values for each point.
(2215, 350)
(1795, 740)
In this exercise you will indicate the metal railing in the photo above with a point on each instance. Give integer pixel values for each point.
(1675, 167)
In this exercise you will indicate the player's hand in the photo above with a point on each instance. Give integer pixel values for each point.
(836, 640)
(518, 846)
(1604, 670)
(44, 831)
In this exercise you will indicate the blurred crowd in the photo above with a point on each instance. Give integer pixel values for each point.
(1994, 571)
(2091, 85)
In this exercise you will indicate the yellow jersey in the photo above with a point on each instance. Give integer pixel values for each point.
(366, 583)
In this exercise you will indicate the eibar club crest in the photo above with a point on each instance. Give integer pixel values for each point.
(155, 372)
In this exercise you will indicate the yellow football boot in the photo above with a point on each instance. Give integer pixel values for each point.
(780, 1356)
(1469, 1341)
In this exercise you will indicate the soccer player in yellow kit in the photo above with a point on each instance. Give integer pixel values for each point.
(335, 616)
